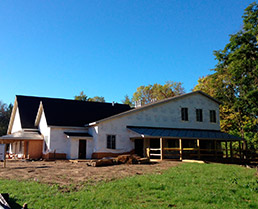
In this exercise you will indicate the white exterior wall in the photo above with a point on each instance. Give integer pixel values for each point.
(44, 130)
(163, 115)
(94, 144)
(17, 122)
(70, 146)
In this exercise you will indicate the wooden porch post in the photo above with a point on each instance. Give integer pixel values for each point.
(180, 148)
(146, 146)
(244, 149)
(231, 150)
(215, 148)
(240, 151)
(148, 152)
(5, 150)
(161, 148)
(198, 146)
(226, 145)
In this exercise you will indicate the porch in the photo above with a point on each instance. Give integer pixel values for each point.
(179, 144)
(26, 144)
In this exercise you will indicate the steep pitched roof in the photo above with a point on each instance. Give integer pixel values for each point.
(154, 104)
(64, 112)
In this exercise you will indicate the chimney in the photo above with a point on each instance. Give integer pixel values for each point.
(138, 103)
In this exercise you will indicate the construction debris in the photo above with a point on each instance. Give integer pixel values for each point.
(128, 159)
(102, 162)
(121, 159)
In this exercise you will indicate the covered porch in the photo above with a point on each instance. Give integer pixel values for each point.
(25, 144)
(179, 144)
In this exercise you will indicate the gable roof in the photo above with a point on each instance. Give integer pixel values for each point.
(65, 112)
(154, 104)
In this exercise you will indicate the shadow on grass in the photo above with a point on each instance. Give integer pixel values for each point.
(13, 204)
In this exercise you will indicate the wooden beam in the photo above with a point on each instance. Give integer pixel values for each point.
(161, 148)
(215, 148)
(240, 151)
(226, 144)
(181, 150)
(5, 150)
(148, 153)
(231, 151)
(198, 146)
(244, 149)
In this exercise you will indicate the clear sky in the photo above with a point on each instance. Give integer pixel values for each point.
(109, 48)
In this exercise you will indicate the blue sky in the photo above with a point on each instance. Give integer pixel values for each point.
(109, 48)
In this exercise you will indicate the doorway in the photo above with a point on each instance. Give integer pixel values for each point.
(138, 147)
(82, 149)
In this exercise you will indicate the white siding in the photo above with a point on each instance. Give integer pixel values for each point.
(44, 130)
(17, 122)
(162, 115)
(61, 144)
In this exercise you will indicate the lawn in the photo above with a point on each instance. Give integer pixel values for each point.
(188, 185)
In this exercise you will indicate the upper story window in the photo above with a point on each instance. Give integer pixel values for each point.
(111, 141)
(212, 116)
(199, 115)
(184, 114)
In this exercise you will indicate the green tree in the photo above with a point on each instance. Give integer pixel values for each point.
(81, 97)
(84, 97)
(5, 114)
(155, 92)
(96, 99)
(127, 101)
(235, 80)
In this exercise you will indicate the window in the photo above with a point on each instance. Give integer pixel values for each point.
(212, 116)
(111, 141)
(199, 115)
(184, 113)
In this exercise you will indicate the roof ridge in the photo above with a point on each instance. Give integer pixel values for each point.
(72, 100)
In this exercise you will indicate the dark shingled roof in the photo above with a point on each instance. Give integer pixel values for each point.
(182, 133)
(64, 112)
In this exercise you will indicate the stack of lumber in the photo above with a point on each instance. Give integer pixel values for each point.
(101, 162)
(127, 159)
(121, 159)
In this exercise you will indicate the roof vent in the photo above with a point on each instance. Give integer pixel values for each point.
(113, 103)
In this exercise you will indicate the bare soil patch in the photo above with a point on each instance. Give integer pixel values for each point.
(65, 173)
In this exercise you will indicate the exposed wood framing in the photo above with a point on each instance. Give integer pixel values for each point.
(198, 146)
(181, 150)
(161, 148)
(240, 151)
(215, 148)
(226, 145)
(231, 150)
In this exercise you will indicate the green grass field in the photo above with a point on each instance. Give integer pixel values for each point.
(187, 186)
